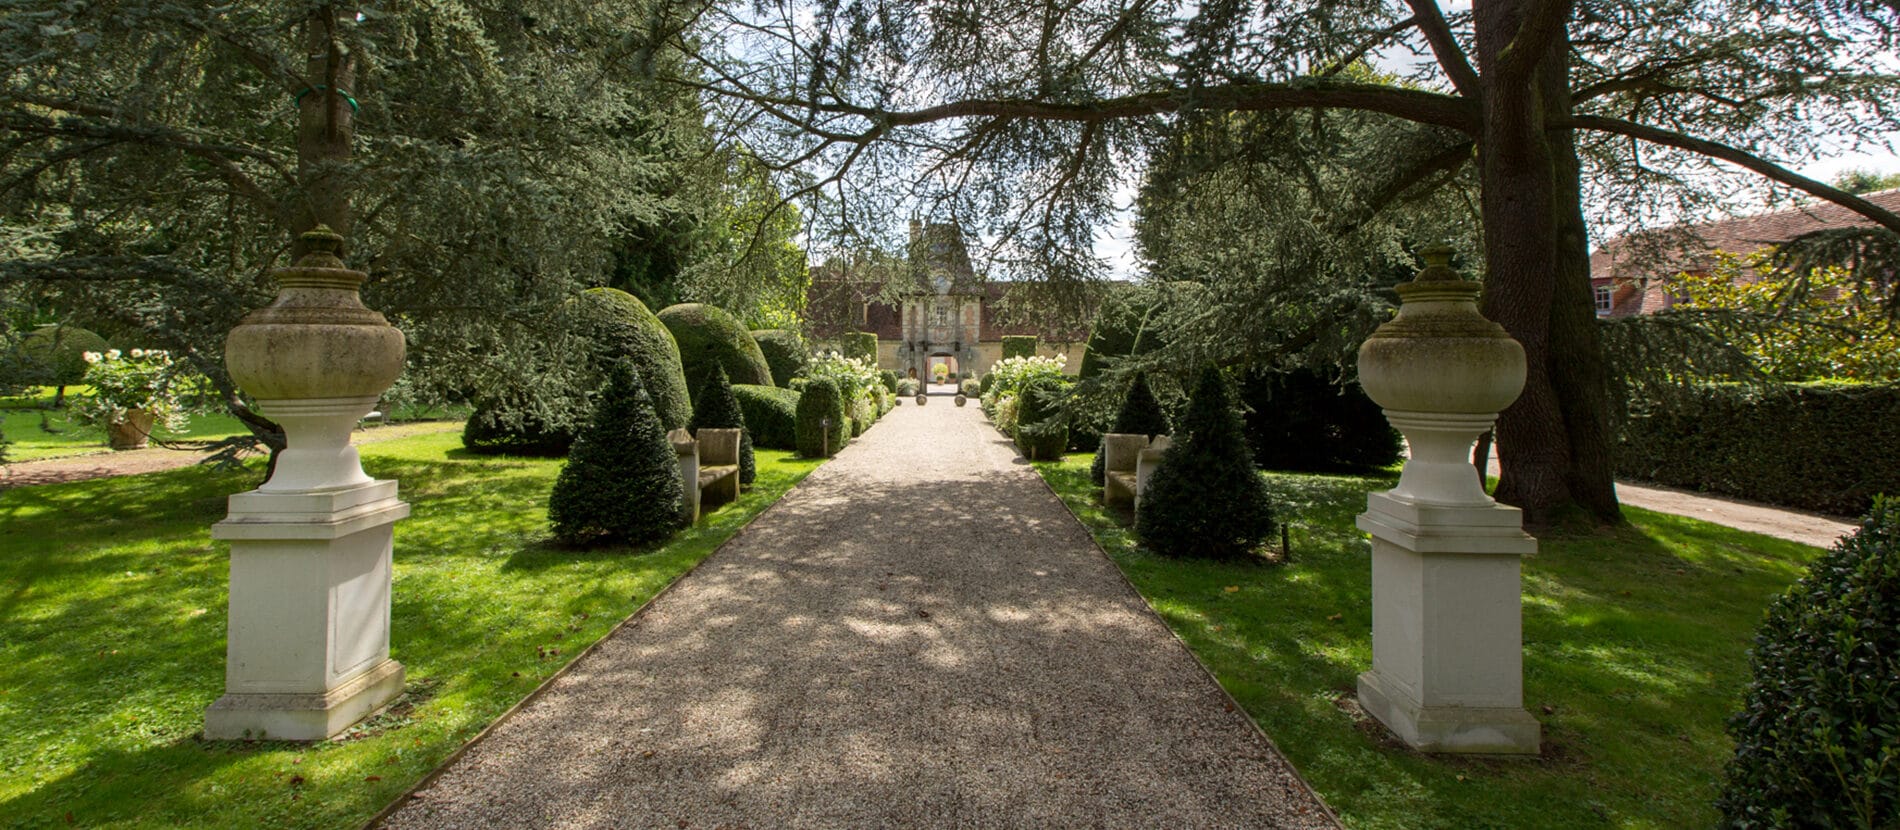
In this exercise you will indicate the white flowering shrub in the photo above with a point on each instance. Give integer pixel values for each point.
(854, 375)
(144, 379)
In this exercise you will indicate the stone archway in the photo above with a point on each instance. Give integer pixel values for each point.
(944, 359)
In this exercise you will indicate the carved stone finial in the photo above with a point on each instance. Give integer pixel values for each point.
(323, 248)
(1437, 264)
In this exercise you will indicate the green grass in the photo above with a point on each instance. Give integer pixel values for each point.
(1634, 656)
(33, 431)
(112, 629)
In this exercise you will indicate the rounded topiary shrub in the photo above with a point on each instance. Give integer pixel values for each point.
(822, 420)
(718, 408)
(55, 354)
(1817, 743)
(889, 379)
(970, 388)
(1140, 414)
(707, 335)
(771, 415)
(1301, 420)
(1041, 430)
(1206, 499)
(615, 326)
(621, 483)
(983, 386)
(785, 353)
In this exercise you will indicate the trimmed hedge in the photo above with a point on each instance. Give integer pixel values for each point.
(859, 344)
(889, 379)
(621, 483)
(1817, 743)
(821, 400)
(1206, 499)
(1302, 421)
(707, 335)
(1019, 345)
(785, 353)
(718, 409)
(1828, 447)
(55, 353)
(1041, 430)
(617, 326)
(771, 415)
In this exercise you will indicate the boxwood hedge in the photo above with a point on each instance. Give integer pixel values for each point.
(708, 334)
(785, 353)
(771, 414)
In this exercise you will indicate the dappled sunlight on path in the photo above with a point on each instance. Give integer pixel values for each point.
(918, 635)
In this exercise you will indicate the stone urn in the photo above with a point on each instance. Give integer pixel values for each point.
(316, 360)
(131, 431)
(1442, 372)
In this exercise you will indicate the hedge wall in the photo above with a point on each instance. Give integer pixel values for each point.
(1019, 345)
(55, 353)
(1828, 447)
(771, 414)
(785, 353)
(708, 334)
(861, 345)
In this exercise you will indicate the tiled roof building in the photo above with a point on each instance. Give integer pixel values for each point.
(1630, 274)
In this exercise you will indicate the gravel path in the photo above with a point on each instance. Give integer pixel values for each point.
(919, 635)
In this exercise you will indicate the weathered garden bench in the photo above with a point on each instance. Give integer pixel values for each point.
(1127, 462)
(709, 468)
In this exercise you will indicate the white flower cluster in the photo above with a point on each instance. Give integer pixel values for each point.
(159, 355)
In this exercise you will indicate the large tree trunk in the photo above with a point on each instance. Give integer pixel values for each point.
(1577, 369)
(326, 127)
(1517, 176)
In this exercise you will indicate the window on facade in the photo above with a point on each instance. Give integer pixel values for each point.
(939, 314)
(1604, 298)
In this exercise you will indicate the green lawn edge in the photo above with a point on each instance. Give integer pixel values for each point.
(1635, 655)
(112, 628)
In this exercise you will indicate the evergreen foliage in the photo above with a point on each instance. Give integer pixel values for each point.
(1019, 345)
(1206, 499)
(861, 345)
(1817, 742)
(718, 408)
(983, 386)
(970, 387)
(821, 401)
(1042, 431)
(1140, 414)
(605, 326)
(771, 415)
(55, 353)
(889, 379)
(1114, 332)
(621, 484)
(785, 353)
(1302, 421)
(1816, 446)
(707, 335)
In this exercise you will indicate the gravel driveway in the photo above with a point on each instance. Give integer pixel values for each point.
(919, 635)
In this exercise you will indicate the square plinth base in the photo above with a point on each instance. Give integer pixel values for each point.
(303, 717)
(1463, 729)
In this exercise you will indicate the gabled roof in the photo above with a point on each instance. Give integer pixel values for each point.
(1665, 253)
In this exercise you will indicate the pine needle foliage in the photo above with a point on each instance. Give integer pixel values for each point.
(621, 483)
(1042, 430)
(817, 437)
(718, 408)
(1206, 500)
(1140, 415)
(1817, 743)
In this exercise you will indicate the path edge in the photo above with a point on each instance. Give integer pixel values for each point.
(376, 821)
(1149, 608)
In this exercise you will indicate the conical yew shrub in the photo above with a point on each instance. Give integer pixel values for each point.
(718, 408)
(621, 483)
(1206, 500)
(1140, 415)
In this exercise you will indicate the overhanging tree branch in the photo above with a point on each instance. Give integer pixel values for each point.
(1451, 58)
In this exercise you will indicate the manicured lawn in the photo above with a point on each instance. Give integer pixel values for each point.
(112, 628)
(34, 432)
(1634, 657)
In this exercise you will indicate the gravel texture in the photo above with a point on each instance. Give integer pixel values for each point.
(919, 635)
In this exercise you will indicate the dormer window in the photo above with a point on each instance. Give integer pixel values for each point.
(1605, 299)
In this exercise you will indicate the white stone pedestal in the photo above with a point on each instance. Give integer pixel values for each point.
(308, 650)
(1447, 645)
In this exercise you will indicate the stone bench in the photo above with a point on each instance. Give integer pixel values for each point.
(1127, 462)
(709, 468)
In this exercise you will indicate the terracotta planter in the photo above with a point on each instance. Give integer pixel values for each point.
(132, 432)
